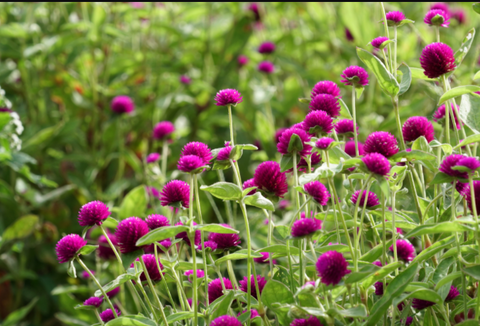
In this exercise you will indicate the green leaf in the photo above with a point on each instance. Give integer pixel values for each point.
(344, 111)
(470, 139)
(458, 91)
(71, 271)
(305, 100)
(217, 228)
(259, 201)
(447, 278)
(445, 227)
(5, 118)
(420, 293)
(286, 162)
(295, 144)
(469, 113)
(470, 322)
(160, 234)
(375, 252)
(359, 91)
(86, 250)
(134, 203)
(477, 76)
(461, 53)
(440, 178)
(223, 307)
(279, 249)
(224, 190)
(127, 259)
(236, 153)
(110, 222)
(406, 78)
(356, 312)
(133, 321)
(21, 228)
(433, 249)
(15, 317)
(417, 73)
(81, 306)
(473, 271)
(241, 254)
(442, 269)
(363, 273)
(385, 79)
(413, 155)
(275, 292)
(380, 274)
(116, 283)
(476, 7)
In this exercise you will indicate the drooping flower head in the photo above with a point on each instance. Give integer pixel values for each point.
(184, 236)
(378, 41)
(225, 240)
(184, 79)
(355, 76)
(175, 192)
(108, 315)
(156, 221)
(350, 148)
(326, 87)
(242, 60)
(452, 294)
(228, 97)
(152, 268)
(215, 289)
(439, 116)
(226, 320)
(266, 47)
(394, 17)
(405, 250)
(381, 142)
(420, 304)
(377, 163)
(104, 250)
(93, 213)
(305, 227)
(323, 143)
(261, 284)
(318, 123)
(437, 59)
(122, 104)
(93, 301)
(311, 321)
(163, 130)
(318, 192)
(266, 67)
(68, 246)
(249, 184)
(344, 127)
(253, 313)
(190, 164)
(449, 162)
(113, 293)
(331, 267)
(265, 259)
(200, 274)
(415, 127)
(153, 157)
(327, 103)
(128, 232)
(284, 142)
(269, 179)
(476, 193)
(198, 149)
(371, 199)
(437, 17)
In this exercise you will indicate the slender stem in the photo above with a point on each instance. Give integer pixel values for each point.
(385, 59)
(399, 122)
(164, 158)
(355, 136)
(162, 278)
(385, 25)
(312, 248)
(337, 203)
(474, 211)
(437, 33)
(121, 150)
(204, 259)
(394, 68)
(98, 317)
(384, 235)
(194, 252)
(355, 216)
(249, 259)
(147, 299)
(230, 119)
(297, 200)
(394, 231)
(269, 238)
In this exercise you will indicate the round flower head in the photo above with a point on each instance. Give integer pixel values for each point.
(175, 192)
(318, 192)
(104, 250)
(266, 47)
(198, 149)
(242, 60)
(208, 244)
(266, 67)
(305, 227)
(86, 275)
(200, 274)
(378, 288)
(311, 321)
(253, 313)
(460, 16)
(226, 321)
(327, 103)
(415, 127)
(225, 240)
(249, 184)
(152, 268)
(377, 42)
(122, 104)
(476, 193)
(350, 148)
(128, 232)
(381, 142)
(93, 301)
(449, 162)
(355, 76)
(224, 153)
(279, 133)
(344, 127)
(378, 263)
(261, 284)
(440, 6)
(303, 165)
(377, 163)
(215, 289)
(405, 250)
(265, 259)
(331, 267)
(284, 142)
(439, 115)
(470, 163)
(108, 315)
(437, 17)
(185, 80)
(228, 97)
(437, 59)
(348, 35)
(190, 164)
(113, 293)
(156, 221)
(153, 157)
(371, 199)
(269, 179)
(68, 246)
(394, 17)
(323, 143)
(326, 87)
(163, 130)
(318, 122)
(93, 213)
(184, 236)
(452, 294)
(420, 304)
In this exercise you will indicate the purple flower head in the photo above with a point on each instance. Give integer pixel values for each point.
(283, 204)
(284, 142)
(462, 188)
(225, 240)
(318, 192)
(378, 288)
(113, 293)
(452, 294)
(311, 321)
(93, 301)
(266, 47)
(326, 87)
(470, 163)
(303, 165)
(344, 126)
(476, 193)
(163, 130)
(437, 59)
(108, 315)
(184, 236)
(264, 259)
(269, 179)
(249, 184)
(198, 149)
(449, 162)
(208, 244)
(439, 115)
(152, 268)
(381, 142)
(254, 8)
(331, 267)
(460, 16)
(266, 67)
(253, 313)
(378, 263)
(215, 289)
(224, 153)
(348, 35)
(323, 143)
(327, 103)
(318, 123)
(86, 275)
(122, 104)
(128, 232)
(437, 17)
(420, 304)
(350, 148)
(68, 246)
(355, 76)
(405, 250)
(200, 274)
(93, 213)
(153, 157)
(104, 250)
(376, 163)
(175, 192)
(279, 133)
(226, 321)
(440, 6)
(190, 163)
(372, 199)
(305, 227)
(242, 60)
(228, 97)
(253, 290)
(156, 221)
(394, 17)
(377, 42)
(408, 321)
(416, 127)
(185, 80)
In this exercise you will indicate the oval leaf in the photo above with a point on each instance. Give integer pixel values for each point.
(458, 91)
(385, 79)
(224, 190)
(259, 201)
(161, 234)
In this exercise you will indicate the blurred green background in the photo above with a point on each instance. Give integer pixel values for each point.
(62, 63)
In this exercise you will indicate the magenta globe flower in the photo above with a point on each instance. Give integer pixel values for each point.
(476, 193)
(378, 288)
(305, 227)
(228, 97)
(323, 143)
(156, 221)
(270, 180)
(344, 127)
(108, 315)
(152, 269)
(266, 67)
(190, 164)
(224, 154)
(184, 236)
(93, 213)
(376, 163)
(279, 133)
(381, 142)
(449, 162)
(437, 17)
(452, 294)
(253, 313)
(371, 199)
(327, 103)
(200, 274)
(355, 76)
(284, 142)
(153, 157)
(185, 80)
(439, 116)
(128, 232)
(242, 60)
(266, 48)
(163, 130)
(303, 165)
(249, 184)
(350, 148)
(198, 149)
(318, 123)
(113, 293)
(208, 245)
(226, 321)
(326, 87)
(93, 301)
(405, 250)
(440, 6)
(175, 193)
(68, 246)
(104, 250)
(215, 289)
(437, 59)
(470, 163)
(225, 240)
(377, 42)
(266, 256)
(253, 290)
(311, 321)
(420, 304)
(378, 263)
(331, 267)
(318, 192)
(394, 18)
(416, 127)
(122, 104)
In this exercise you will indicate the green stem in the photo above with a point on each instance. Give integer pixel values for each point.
(355, 232)
(297, 200)
(204, 259)
(164, 159)
(162, 278)
(394, 231)
(385, 25)
(437, 33)
(230, 120)
(269, 238)
(355, 136)
(147, 299)
(121, 150)
(249, 259)
(98, 317)
(337, 203)
(394, 68)
(384, 235)
(399, 122)
(194, 253)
